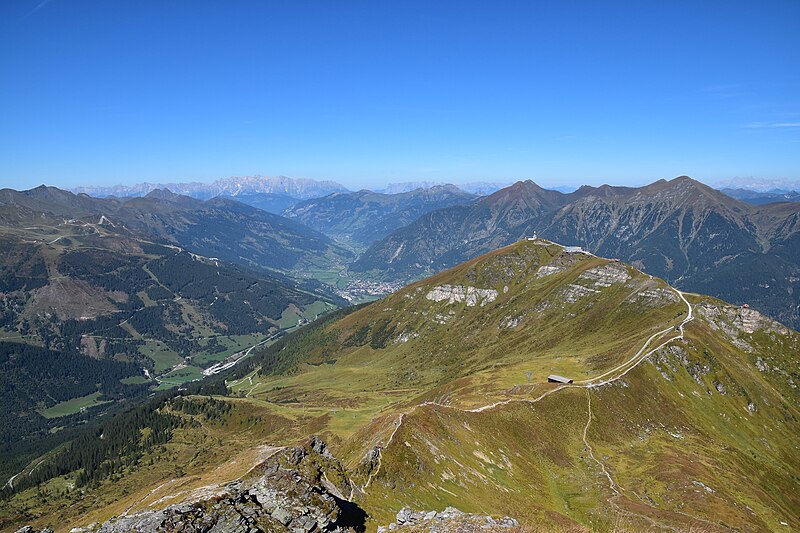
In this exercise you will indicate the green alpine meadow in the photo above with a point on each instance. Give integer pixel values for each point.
(679, 411)
(399, 267)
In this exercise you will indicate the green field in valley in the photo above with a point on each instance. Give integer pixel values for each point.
(70, 407)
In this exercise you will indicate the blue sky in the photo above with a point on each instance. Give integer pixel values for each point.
(106, 92)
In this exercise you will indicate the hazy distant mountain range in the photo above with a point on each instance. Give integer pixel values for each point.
(480, 188)
(299, 188)
(271, 191)
(761, 198)
(752, 183)
(279, 194)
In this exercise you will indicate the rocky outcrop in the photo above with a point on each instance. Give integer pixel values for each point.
(572, 293)
(654, 297)
(548, 270)
(676, 357)
(733, 320)
(605, 275)
(301, 490)
(451, 519)
(460, 293)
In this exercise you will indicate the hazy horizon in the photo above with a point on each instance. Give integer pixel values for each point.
(744, 182)
(365, 94)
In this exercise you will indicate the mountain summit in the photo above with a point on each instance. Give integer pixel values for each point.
(681, 230)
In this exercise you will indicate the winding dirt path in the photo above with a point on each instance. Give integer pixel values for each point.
(611, 484)
(617, 372)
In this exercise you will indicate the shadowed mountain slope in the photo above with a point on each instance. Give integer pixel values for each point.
(221, 228)
(363, 217)
(96, 310)
(690, 234)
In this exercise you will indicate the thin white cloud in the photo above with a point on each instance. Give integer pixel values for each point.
(773, 125)
(39, 6)
(722, 90)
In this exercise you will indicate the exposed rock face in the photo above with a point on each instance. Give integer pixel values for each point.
(605, 275)
(573, 292)
(460, 293)
(736, 320)
(548, 270)
(751, 320)
(656, 297)
(673, 358)
(299, 490)
(449, 520)
(592, 281)
(511, 322)
(406, 336)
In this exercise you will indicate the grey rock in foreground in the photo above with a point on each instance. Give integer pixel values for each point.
(297, 490)
(451, 520)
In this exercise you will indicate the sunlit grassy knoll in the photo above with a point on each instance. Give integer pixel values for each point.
(72, 406)
(163, 358)
(345, 404)
(232, 343)
(472, 359)
(180, 375)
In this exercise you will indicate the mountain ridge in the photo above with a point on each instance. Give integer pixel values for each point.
(680, 230)
(360, 218)
(681, 413)
(299, 188)
(217, 227)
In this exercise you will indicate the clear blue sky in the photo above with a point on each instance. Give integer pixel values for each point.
(563, 92)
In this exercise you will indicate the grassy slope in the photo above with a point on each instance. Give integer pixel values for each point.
(657, 431)
(72, 406)
(656, 438)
